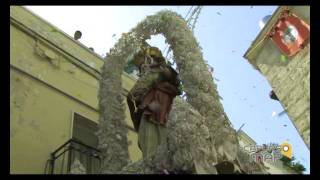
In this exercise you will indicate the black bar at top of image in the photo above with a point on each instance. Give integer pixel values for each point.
(160, 2)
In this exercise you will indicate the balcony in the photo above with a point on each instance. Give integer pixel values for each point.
(74, 157)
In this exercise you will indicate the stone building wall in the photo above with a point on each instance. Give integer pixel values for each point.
(288, 77)
(291, 84)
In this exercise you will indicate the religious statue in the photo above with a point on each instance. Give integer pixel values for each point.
(151, 97)
(209, 144)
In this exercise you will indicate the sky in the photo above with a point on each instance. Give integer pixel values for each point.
(224, 33)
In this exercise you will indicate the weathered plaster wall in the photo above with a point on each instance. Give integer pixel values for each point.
(47, 84)
(40, 121)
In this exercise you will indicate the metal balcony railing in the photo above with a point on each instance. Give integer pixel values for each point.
(62, 159)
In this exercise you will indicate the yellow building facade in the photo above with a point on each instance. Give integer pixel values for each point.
(54, 81)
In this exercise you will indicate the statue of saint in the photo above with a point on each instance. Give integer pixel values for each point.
(150, 99)
(150, 102)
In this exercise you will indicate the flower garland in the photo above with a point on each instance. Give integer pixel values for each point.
(219, 141)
